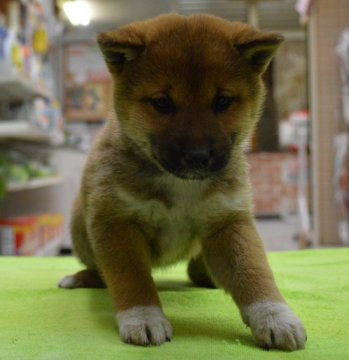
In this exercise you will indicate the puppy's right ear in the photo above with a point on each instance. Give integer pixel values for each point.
(120, 47)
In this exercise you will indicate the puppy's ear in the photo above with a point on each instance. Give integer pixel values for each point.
(120, 47)
(259, 49)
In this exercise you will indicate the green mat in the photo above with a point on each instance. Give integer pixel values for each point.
(40, 321)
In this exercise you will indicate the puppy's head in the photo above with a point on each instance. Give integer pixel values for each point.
(187, 90)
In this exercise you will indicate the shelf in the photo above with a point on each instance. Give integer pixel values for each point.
(13, 88)
(35, 184)
(22, 130)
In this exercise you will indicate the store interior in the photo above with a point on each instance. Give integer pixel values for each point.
(117, 299)
(55, 96)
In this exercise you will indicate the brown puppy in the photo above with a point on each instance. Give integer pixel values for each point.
(167, 178)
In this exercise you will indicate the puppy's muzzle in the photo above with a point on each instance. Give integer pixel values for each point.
(194, 163)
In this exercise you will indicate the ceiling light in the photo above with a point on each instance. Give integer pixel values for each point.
(78, 12)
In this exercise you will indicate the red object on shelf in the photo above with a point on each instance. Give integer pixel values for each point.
(32, 233)
(25, 230)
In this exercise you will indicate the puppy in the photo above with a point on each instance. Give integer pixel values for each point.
(167, 178)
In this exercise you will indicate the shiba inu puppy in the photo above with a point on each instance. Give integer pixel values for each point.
(167, 178)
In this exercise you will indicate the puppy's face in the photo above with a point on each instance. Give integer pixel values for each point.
(187, 90)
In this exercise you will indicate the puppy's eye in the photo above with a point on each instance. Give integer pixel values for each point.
(221, 103)
(163, 105)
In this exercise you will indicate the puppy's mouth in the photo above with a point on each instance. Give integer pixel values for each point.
(196, 165)
(190, 175)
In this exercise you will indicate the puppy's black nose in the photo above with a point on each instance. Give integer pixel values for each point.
(197, 159)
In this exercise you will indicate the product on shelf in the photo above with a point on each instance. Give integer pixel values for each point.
(28, 34)
(30, 235)
(25, 41)
(7, 241)
(16, 168)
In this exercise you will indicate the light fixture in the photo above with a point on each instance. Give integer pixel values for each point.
(78, 12)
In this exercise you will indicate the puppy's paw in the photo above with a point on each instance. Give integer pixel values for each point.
(274, 325)
(88, 278)
(144, 325)
(70, 282)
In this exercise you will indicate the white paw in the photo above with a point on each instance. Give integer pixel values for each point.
(70, 282)
(274, 325)
(144, 325)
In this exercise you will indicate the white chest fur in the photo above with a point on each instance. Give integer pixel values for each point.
(173, 231)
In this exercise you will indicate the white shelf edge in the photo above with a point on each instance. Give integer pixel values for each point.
(26, 87)
(22, 130)
(35, 184)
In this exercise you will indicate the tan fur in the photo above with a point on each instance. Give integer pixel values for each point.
(133, 211)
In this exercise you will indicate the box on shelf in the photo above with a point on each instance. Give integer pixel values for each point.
(7, 241)
(30, 234)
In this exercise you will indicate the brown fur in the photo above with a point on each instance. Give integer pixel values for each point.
(131, 212)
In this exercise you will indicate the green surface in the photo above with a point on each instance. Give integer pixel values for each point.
(40, 321)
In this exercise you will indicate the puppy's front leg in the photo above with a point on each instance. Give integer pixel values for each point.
(124, 260)
(236, 258)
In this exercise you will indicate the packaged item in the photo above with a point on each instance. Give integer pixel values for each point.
(3, 35)
(30, 234)
(26, 233)
(40, 40)
(7, 241)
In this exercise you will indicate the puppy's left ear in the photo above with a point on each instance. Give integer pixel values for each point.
(260, 49)
(120, 47)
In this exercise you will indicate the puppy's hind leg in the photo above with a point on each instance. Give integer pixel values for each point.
(198, 273)
(90, 277)
(81, 242)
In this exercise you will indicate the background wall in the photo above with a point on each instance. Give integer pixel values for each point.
(328, 20)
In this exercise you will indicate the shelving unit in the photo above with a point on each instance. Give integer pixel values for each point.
(31, 125)
(13, 87)
(35, 184)
(22, 130)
